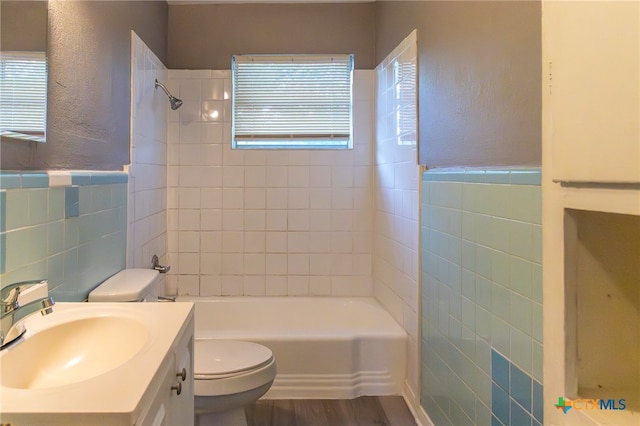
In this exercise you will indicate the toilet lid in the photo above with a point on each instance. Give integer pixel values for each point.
(215, 357)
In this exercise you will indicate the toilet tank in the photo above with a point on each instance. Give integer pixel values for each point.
(128, 285)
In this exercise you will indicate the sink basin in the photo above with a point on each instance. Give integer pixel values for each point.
(71, 352)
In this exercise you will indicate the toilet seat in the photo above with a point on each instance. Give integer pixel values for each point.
(228, 357)
(223, 367)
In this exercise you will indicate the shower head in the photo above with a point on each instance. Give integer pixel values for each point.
(175, 102)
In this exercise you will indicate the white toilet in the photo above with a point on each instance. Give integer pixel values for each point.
(228, 374)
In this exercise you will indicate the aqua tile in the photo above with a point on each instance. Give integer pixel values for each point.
(10, 180)
(468, 312)
(497, 176)
(483, 360)
(536, 321)
(500, 370)
(3, 211)
(3, 253)
(467, 255)
(437, 413)
(519, 417)
(80, 178)
(521, 279)
(17, 209)
(71, 201)
(495, 421)
(483, 414)
(468, 230)
(35, 180)
(500, 268)
(18, 252)
(537, 361)
(534, 422)
(536, 282)
(521, 350)
(501, 336)
(100, 198)
(55, 237)
(521, 313)
(521, 239)
(500, 302)
(526, 177)
(119, 194)
(474, 176)
(108, 178)
(520, 387)
(500, 404)
(468, 284)
(71, 233)
(526, 203)
(538, 402)
(483, 261)
(483, 324)
(458, 416)
(38, 206)
(56, 203)
(55, 270)
(483, 293)
(536, 244)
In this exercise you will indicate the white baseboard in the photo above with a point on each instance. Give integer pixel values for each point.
(413, 402)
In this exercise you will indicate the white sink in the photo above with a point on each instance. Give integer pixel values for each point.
(87, 362)
(72, 352)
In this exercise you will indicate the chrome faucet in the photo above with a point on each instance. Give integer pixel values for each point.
(11, 312)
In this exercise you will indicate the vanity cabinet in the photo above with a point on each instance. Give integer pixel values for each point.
(591, 85)
(173, 401)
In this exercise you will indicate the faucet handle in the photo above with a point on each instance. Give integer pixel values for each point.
(9, 294)
(155, 265)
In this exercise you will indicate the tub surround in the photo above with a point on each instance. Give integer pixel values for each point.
(482, 296)
(264, 222)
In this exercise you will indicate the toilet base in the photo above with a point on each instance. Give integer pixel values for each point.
(234, 417)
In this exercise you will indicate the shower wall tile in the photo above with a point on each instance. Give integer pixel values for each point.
(481, 291)
(73, 236)
(147, 189)
(280, 222)
(396, 182)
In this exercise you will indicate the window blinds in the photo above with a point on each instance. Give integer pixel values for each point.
(23, 95)
(298, 101)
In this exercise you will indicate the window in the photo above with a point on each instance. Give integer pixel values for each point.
(295, 101)
(23, 95)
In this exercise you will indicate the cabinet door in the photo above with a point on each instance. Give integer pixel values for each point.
(180, 408)
(591, 57)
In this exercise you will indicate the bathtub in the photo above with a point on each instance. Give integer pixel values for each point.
(324, 347)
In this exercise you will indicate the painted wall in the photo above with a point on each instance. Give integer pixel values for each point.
(205, 36)
(479, 78)
(89, 84)
(23, 26)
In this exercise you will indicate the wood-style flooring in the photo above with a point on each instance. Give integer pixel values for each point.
(362, 411)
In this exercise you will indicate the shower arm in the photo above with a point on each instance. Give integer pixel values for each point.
(158, 84)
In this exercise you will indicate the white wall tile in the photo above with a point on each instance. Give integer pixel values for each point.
(266, 222)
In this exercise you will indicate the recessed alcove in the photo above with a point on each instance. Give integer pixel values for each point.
(602, 306)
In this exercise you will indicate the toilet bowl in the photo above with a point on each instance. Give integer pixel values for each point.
(228, 374)
(234, 374)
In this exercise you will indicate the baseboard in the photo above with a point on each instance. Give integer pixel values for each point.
(413, 402)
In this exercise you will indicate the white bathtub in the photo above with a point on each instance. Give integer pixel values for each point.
(324, 347)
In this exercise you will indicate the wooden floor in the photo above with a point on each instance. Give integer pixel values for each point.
(363, 411)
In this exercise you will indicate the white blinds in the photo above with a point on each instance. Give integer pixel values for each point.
(23, 95)
(298, 101)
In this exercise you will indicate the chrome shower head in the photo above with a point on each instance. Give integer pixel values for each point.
(175, 102)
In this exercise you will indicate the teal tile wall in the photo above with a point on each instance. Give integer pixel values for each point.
(481, 295)
(73, 236)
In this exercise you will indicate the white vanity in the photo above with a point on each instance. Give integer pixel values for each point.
(101, 364)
